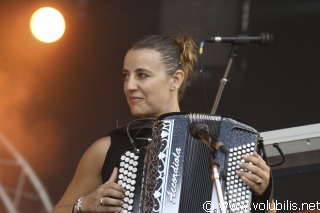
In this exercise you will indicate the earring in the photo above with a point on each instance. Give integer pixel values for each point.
(172, 88)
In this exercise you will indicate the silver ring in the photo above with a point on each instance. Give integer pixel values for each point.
(101, 203)
(259, 181)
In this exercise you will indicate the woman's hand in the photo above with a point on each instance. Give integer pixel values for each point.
(106, 198)
(257, 175)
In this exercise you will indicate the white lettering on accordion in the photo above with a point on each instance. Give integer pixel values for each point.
(175, 175)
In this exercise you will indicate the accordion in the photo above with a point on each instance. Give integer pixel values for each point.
(171, 173)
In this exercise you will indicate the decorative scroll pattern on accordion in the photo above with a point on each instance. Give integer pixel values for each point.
(171, 173)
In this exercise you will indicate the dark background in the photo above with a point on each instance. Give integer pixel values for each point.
(56, 99)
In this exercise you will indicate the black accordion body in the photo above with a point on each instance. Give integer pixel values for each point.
(171, 172)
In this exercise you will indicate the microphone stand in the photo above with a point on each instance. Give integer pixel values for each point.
(214, 165)
(223, 81)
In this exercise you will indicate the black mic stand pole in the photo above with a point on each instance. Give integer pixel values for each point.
(214, 166)
(223, 81)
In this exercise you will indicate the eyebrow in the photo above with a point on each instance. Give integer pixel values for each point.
(137, 70)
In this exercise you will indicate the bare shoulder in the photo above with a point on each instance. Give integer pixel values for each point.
(98, 151)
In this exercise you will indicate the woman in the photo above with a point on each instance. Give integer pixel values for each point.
(155, 71)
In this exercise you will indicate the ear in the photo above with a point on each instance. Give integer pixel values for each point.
(177, 79)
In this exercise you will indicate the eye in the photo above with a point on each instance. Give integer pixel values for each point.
(142, 75)
(125, 76)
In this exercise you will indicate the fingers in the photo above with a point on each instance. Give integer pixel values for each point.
(113, 176)
(111, 188)
(106, 198)
(112, 194)
(255, 173)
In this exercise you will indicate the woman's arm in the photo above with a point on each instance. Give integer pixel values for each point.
(87, 182)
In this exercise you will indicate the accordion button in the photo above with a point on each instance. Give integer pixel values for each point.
(128, 153)
(126, 199)
(127, 193)
(127, 159)
(131, 161)
(129, 174)
(132, 188)
(120, 182)
(131, 195)
(134, 176)
(129, 208)
(135, 163)
(130, 201)
(125, 172)
(123, 185)
(134, 170)
(121, 170)
(123, 157)
(136, 157)
(130, 168)
(128, 186)
(132, 155)
(133, 182)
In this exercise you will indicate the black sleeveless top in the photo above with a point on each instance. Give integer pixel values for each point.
(120, 143)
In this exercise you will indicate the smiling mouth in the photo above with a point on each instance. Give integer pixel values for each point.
(135, 100)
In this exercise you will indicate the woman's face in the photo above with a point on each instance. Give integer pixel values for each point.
(147, 85)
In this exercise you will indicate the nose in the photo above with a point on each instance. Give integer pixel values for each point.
(130, 84)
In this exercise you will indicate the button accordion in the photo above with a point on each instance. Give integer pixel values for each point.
(171, 173)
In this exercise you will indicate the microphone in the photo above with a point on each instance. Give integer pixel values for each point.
(262, 39)
(201, 131)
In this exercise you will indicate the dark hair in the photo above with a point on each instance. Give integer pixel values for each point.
(179, 53)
